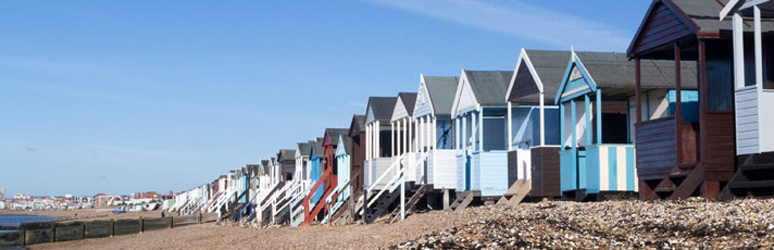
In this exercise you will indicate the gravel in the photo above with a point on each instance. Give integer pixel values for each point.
(692, 224)
(689, 224)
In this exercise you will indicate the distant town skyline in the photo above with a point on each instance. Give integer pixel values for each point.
(114, 97)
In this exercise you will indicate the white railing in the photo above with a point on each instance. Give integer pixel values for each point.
(397, 172)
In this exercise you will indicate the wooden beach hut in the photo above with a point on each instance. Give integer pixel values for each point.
(378, 136)
(316, 176)
(597, 99)
(400, 132)
(433, 124)
(752, 31)
(287, 161)
(357, 156)
(533, 119)
(340, 199)
(686, 158)
(479, 108)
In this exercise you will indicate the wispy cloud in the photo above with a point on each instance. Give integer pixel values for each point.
(522, 20)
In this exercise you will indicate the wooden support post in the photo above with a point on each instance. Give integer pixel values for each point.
(53, 237)
(142, 225)
(24, 237)
(678, 104)
(171, 222)
(638, 88)
(83, 231)
(589, 111)
(112, 228)
(510, 127)
(446, 200)
(481, 130)
(703, 131)
(710, 189)
(599, 116)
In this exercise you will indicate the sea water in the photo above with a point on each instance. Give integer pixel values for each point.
(17, 219)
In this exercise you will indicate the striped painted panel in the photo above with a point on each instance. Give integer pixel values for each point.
(441, 167)
(617, 168)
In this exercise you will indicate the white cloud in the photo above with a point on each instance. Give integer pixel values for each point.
(521, 20)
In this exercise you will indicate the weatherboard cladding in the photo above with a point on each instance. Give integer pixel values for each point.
(489, 87)
(408, 100)
(670, 20)
(404, 106)
(380, 109)
(549, 68)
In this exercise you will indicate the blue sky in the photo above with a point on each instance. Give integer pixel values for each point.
(129, 96)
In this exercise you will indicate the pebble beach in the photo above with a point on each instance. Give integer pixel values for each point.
(689, 224)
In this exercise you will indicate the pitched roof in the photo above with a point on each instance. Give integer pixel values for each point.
(489, 86)
(357, 124)
(382, 108)
(408, 99)
(287, 154)
(442, 90)
(303, 148)
(549, 66)
(347, 144)
(334, 133)
(318, 147)
(613, 69)
(698, 18)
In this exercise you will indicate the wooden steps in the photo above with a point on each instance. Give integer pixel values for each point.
(410, 203)
(380, 206)
(753, 178)
(462, 201)
(517, 192)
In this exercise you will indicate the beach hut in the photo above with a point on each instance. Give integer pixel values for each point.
(302, 160)
(378, 135)
(357, 154)
(433, 124)
(598, 106)
(533, 118)
(753, 64)
(315, 203)
(678, 158)
(340, 198)
(400, 132)
(287, 161)
(479, 109)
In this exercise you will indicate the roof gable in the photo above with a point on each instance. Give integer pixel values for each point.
(662, 24)
(380, 109)
(588, 71)
(439, 93)
(356, 126)
(537, 71)
(423, 105)
(404, 107)
(343, 147)
(332, 135)
(465, 99)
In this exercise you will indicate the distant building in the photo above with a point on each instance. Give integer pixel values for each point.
(2, 194)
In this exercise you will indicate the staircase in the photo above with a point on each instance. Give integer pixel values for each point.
(462, 201)
(416, 195)
(753, 178)
(681, 182)
(518, 191)
(376, 204)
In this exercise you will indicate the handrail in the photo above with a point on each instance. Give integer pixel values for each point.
(335, 195)
(394, 179)
(395, 163)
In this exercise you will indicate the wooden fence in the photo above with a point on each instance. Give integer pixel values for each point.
(45, 232)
